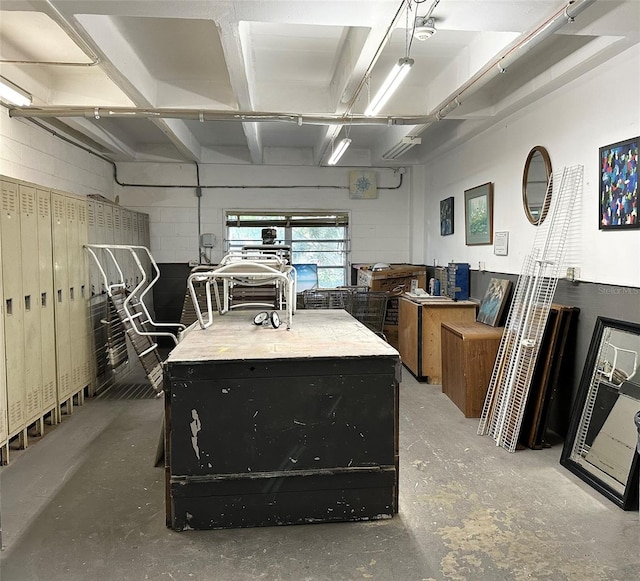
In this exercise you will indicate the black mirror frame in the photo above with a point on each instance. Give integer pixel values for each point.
(628, 500)
(525, 174)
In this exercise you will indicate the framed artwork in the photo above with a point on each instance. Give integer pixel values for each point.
(494, 302)
(446, 216)
(478, 215)
(600, 447)
(619, 185)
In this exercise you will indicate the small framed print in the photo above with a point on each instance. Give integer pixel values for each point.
(446, 216)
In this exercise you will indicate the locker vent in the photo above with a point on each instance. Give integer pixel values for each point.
(71, 211)
(91, 215)
(117, 219)
(27, 201)
(49, 392)
(9, 200)
(44, 207)
(126, 221)
(58, 208)
(109, 219)
(100, 215)
(82, 212)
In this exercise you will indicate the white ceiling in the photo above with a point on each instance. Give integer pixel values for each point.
(293, 62)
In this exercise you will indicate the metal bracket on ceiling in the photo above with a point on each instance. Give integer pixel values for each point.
(96, 113)
(570, 19)
(201, 117)
(299, 120)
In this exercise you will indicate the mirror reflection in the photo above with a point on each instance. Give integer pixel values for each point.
(535, 179)
(604, 438)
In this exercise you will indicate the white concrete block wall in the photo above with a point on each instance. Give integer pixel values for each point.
(380, 229)
(30, 153)
(572, 123)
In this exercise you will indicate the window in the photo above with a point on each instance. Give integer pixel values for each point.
(314, 237)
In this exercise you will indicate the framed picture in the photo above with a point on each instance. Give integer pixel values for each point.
(478, 215)
(494, 302)
(446, 216)
(619, 185)
(600, 447)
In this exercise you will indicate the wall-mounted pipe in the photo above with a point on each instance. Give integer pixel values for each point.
(203, 115)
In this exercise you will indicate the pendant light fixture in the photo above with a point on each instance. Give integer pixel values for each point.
(339, 151)
(11, 93)
(391, 83)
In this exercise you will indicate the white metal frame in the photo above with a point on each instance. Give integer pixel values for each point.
(508, 389)
(138, 292)
(247, 268)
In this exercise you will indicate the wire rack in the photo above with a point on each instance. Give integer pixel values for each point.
(506, 398)
(368, 307)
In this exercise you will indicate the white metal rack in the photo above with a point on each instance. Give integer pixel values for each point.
(130, 303)
(520, 344)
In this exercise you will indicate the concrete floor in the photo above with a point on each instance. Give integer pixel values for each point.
(85, 503)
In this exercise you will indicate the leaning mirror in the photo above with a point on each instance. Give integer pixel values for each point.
(601, 445)
(535, 179)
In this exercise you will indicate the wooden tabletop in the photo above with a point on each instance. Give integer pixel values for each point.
(314, 333)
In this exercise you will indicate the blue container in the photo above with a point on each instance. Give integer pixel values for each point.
(458, 281)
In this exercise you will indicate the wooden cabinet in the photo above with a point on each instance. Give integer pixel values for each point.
(419, 335)
(469, 352)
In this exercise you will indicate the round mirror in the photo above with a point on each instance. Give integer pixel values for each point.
(537, 171)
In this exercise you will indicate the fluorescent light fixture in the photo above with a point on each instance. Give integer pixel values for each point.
(405, 144)
(339, 150)
(391, 83)
(11, 93)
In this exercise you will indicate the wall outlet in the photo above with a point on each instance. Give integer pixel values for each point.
(573, 273)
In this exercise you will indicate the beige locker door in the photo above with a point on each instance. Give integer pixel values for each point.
(84, 310)
(110, 233)
(31, 299)
(101, 238)
(75, 301)
(13, 306)
(129, 268)
(46, 302)
(95, 280)
(4, 428)
(61, 295)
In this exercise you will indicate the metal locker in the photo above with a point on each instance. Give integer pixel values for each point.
(13, 307)
(111, 237)
(4, 428)
(75, 301)
(45, 302)
(61, 296)
(129, 267)
(86, 371)
(30, 296)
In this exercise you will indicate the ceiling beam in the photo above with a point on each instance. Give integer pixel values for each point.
(121, 64)
(243, 85)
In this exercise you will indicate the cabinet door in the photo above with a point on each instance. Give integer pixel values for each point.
(61, 295)
(84, 297)
(32, 345)
(46, 301)
(4, 428)
(13, 306)
(408, 334)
